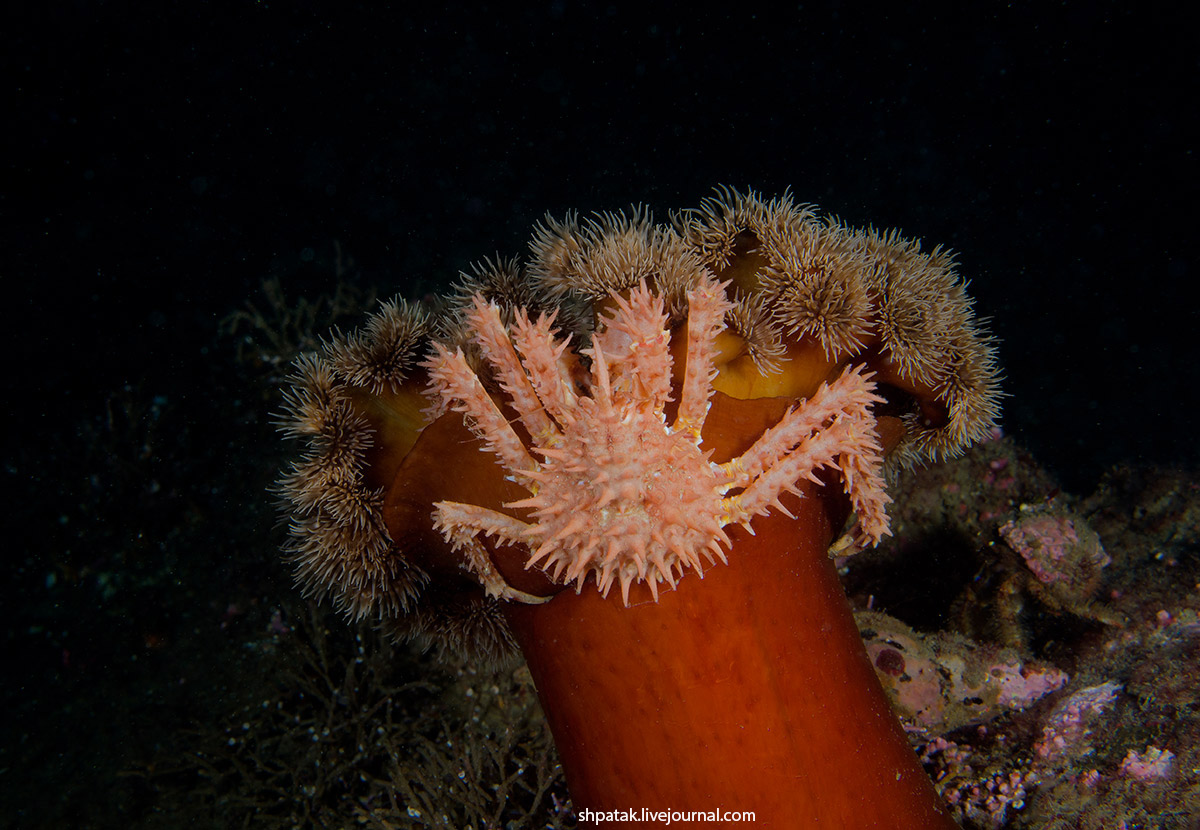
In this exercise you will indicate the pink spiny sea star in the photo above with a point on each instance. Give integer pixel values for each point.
(616, 491)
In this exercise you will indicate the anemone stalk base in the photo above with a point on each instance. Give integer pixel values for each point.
(747, 690)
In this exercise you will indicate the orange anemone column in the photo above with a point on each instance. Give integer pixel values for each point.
(748, 689)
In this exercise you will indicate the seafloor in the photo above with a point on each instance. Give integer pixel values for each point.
(163, 671)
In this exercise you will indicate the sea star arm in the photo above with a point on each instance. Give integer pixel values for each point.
(848, 443)
(452, 380)
(851, 394)
(544, 361)
(461, 524)
(706, 317)
(861, 464)
(637, 341)
(493, 339)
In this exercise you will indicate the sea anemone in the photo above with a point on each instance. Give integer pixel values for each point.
(688, 413)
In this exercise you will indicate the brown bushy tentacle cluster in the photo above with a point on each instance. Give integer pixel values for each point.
(805, 299)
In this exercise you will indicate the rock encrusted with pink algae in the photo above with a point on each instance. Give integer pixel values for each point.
(1082, 757)
(987, 801)
(1152, 765)
(940, 682)
(1059, 549)
(1068, 725)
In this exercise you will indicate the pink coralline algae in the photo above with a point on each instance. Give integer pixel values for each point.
(1067, 726)
(985, 799)
(1022, 683)
(937, 683)
(988, 802)
(1059, 549)
(1152, 765)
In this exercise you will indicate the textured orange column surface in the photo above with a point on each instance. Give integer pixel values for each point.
(554, 445)
(747, 690)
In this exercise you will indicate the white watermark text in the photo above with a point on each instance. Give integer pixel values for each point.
(663, 817)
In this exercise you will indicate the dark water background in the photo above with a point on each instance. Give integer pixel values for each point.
(164, 159)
